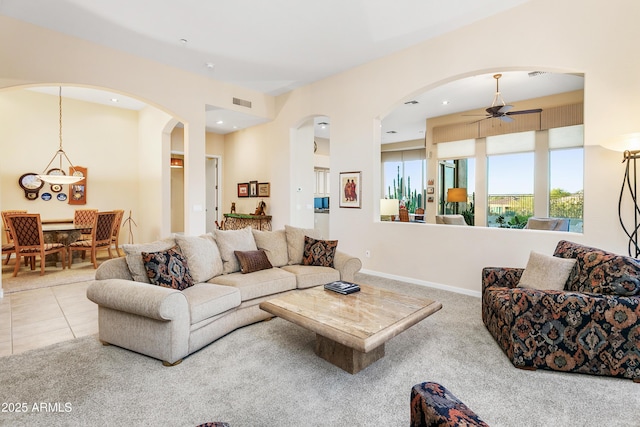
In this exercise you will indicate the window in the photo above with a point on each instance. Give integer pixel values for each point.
(566, 175)
(404, 177)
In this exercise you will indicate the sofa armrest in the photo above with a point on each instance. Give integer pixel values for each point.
(347, 265)
(115, 268)
(501, 277)
(155, 302)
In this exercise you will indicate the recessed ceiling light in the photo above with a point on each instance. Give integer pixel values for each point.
(219, 122)
(209, 65)
(445, 102)
(184, 41)
(115, 100)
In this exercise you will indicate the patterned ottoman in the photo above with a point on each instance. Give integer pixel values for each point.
(433, 405)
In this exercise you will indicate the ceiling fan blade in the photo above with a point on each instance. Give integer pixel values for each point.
(505, 109)
(506, 119)
(535, 110)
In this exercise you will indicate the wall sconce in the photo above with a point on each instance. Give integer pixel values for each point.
(389, 209)
(177, 163)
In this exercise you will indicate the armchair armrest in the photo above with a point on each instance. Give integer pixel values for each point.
(501, 277)
(143, 299)
(347, 265)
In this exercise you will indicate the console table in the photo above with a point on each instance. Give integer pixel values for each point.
(234, 221)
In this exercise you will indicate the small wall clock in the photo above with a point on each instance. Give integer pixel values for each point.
(31, 185)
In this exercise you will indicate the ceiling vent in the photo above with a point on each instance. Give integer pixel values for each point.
(412, 102)
(537, 73)
(242, 102)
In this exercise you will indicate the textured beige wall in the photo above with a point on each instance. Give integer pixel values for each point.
(590, 37)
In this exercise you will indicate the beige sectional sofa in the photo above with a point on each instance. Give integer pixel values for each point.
(169, 324)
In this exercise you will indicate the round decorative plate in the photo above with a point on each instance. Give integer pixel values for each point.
(46, 196)
(62, 197)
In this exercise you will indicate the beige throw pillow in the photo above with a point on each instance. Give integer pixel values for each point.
(295, 241)
(546, 272)
(133, 256)
(203, 256)
(230, 241)
(274, 243)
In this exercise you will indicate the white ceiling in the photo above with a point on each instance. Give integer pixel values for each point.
(277, 45)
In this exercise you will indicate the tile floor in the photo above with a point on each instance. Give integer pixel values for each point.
(40, 317)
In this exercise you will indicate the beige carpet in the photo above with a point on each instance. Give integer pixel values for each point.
(81, 271)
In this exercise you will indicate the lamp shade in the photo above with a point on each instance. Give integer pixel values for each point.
(457, 195)
(627, 141)
(389, 207)
(176, 162)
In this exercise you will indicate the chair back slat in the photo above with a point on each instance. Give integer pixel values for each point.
(117, 222)
(84, 216)
(103, 229)
(26, 230)
(5, 224)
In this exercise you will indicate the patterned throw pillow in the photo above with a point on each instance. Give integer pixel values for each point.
(600, 271)
(319, 252)
(251, 261)
(168, 269)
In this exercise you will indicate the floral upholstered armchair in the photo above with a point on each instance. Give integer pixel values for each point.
(591, 326)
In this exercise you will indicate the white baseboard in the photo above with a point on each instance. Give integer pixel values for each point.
(423, 283)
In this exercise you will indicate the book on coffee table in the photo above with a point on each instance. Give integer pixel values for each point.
(342, 287)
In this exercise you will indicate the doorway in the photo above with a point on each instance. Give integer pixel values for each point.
(212, 176)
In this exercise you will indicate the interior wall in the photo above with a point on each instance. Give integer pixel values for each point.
(29, 138)
(590, 37)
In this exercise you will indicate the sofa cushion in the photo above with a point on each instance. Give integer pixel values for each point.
(251, 261)
(259, 283)
(546, 272)
(295, 241)
(168, 269)
(207, 300)
(133, 255)
(319, 252)
(308, 276)
(203, 256)
(230, 241)
(274, 243)
(600, 271)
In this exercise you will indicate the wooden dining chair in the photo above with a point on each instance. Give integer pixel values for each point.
(26, 230)
(419, 214)
(115, 236)
(404, 215)
(84, 217)
(101, 235)
(9, 247)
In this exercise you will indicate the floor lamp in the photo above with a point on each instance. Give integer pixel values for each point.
(629, 159)
(456, 195)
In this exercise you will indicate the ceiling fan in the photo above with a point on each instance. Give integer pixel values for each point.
(500, 109)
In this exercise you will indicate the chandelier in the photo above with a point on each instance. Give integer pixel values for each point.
(59, 177)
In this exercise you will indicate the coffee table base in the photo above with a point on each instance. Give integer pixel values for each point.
(346, 358)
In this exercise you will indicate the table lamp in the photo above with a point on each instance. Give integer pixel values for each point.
(389, 208)
(456, 195)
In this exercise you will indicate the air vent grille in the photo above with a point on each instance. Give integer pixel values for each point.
(242, 102)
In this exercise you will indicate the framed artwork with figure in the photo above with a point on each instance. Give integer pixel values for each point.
(350, 189)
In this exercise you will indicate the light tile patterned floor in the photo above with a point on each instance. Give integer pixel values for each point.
(40, 317)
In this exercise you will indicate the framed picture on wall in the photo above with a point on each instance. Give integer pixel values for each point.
(243, 189)
(264, 189)
(350, 189)
(431, 190)
(253, 188)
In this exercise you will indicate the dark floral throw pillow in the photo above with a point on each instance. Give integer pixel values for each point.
(319, 252)
(168, 269)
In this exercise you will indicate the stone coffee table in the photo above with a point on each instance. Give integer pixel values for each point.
(351, 330)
